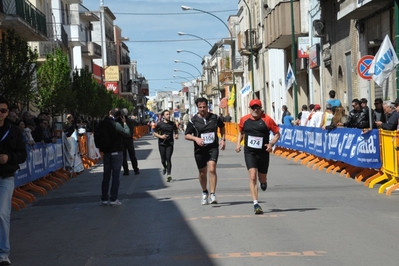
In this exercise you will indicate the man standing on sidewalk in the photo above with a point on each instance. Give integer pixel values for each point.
(255, 128)
(202, 129)
(108, 137)
(129, 146)
(12, 153)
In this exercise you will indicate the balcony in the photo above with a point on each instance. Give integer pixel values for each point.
(278, 32)
(92, 50)
(27, 21)
(249, 38)
(76, 34)
(356, 9)
(57, 32)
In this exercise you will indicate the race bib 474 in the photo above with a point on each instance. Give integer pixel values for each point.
(255, 142)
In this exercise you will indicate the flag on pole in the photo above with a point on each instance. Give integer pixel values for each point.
(384, 62)
(290, 78)
(232, 97)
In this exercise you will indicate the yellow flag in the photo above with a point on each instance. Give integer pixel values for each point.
(232, 97)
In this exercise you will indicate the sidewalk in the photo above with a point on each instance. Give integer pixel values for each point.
(308, 215)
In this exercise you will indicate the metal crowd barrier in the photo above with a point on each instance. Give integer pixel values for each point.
(369, 156)
(45, 167)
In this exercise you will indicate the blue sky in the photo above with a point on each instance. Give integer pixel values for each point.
(152, 28)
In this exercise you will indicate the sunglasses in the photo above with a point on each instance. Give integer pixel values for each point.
(255, 107)
(3, 110)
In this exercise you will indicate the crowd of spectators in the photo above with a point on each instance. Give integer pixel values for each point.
(42, 129)
(385, 115)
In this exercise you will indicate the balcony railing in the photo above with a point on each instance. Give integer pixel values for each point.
(29, 13)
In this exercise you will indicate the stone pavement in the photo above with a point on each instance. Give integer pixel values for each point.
(311, 218)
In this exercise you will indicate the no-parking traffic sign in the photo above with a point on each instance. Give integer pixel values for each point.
(363, 67)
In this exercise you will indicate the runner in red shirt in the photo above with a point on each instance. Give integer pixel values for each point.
(255, 129)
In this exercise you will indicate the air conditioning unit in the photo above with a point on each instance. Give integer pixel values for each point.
(318, 27)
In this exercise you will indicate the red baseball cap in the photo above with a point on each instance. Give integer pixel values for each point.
(317, 107)
(255, 102)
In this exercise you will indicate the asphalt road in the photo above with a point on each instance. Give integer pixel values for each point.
(311, 218)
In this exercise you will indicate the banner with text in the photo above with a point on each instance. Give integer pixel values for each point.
(342, 144)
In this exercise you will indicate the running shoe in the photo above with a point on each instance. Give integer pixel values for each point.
(4, 260)
(169, 178)
(204, 199)
(115, 203)
(164, 171)
(104, 202)
(212, 199)
(263, 186)
(257, 209)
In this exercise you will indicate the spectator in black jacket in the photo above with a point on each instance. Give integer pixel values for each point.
(12, 153)
(129, 146)
(115, 125)
(392, 123)
(358, 117)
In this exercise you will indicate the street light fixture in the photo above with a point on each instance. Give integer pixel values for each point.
(232, 46)
(217, 60)
(251, 56)
(179, 70)
(181, 51)
(183, 33)
(179, 61)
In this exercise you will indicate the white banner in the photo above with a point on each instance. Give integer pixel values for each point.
(246, 90)
(384, 62)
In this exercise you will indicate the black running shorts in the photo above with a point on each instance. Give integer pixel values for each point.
(203, 156)
(258, 160)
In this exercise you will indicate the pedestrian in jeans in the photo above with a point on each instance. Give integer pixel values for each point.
(128, 146)
(115, 125)
(12, 153)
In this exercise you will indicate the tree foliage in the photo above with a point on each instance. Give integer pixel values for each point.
(54, 92)
(17, 68)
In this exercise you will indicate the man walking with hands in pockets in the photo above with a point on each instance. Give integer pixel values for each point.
(202, 130)
(255, 129)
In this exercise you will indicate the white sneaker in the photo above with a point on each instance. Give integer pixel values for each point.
(4, 260)
(204, 199)
(104, 202)
(212, 199)
(115, 203)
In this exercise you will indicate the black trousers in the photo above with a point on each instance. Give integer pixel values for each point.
(128, 147)
(166, 157)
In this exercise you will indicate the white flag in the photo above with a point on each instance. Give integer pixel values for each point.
(384, 62)
(290, 78)
(246, 90)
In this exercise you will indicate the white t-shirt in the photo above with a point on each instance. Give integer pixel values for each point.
(304, 117)
(316, 119)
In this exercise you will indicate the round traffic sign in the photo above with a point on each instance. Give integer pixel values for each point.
(363, 67)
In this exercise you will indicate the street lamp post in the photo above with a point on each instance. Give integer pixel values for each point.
(179, 61)
(183, 33)
(180, 51)
(251, 58)
(293, 53)
(232, 46)
(217, 59)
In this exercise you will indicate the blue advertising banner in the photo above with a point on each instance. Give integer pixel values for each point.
(349, 145)
(42, 159)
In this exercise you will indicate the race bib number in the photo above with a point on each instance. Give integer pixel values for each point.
(255, 142)
(208, 137)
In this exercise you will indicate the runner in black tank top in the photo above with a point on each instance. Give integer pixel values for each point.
(164, 132)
